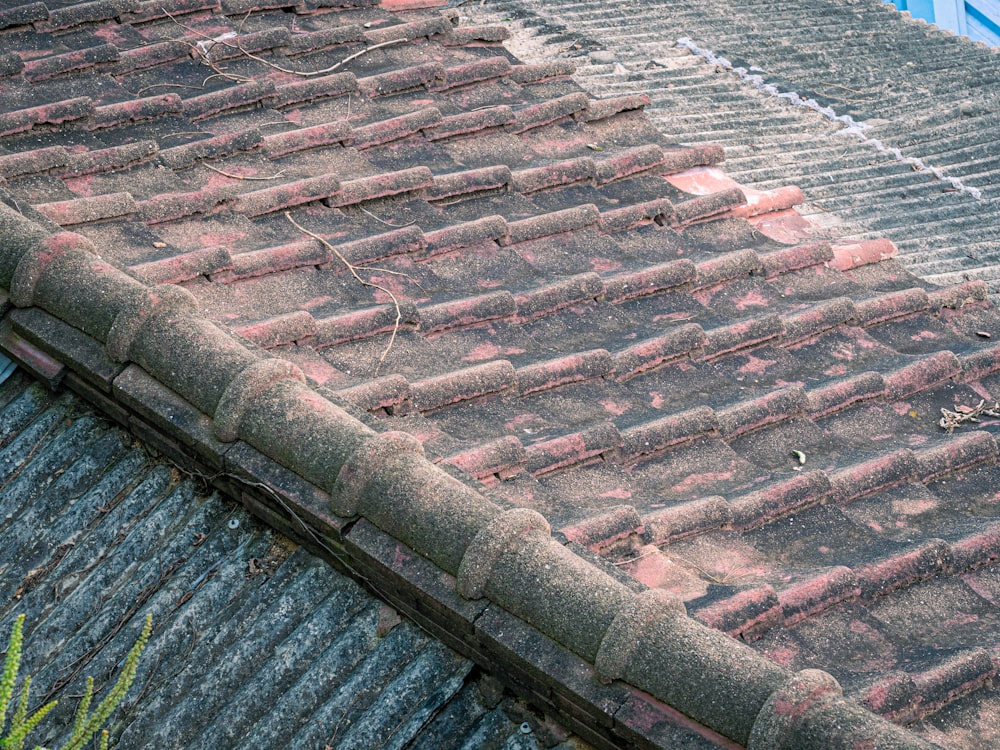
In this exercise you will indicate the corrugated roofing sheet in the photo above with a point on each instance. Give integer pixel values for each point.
(256, 643)
(641, 438)
(923, 104)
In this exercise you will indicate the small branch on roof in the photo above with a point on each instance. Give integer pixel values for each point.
(203, 52)
(172, 85)
(383, 221)
(962, 414)
(721, 577)
(243, 177)
(305, 74)
(354, 272)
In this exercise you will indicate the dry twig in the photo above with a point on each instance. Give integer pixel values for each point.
(242, 177)
(239, 46)
(962, 414)
(353, 270)
(383, 221)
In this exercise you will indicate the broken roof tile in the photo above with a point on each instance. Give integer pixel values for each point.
(557, 222)
(474, 72)
(851, 255)
(269, 200)
(234, 97)
(679, 159)
(978, 365)
(674, 522)
(650, 280)
(810, 597)
(572, 171)
(362, 323)
(706, 206)
(171, 206)
(804, 325)
(151, 55)
(779, 499)
(408, 31)
(659, 210)
(313, 89)
(303, 139)
(727, 267)
(55, 113)
(462, 36)
(921, 375)
(747, 416)
(880, 577)
(385, 393)
(527, 73)
(401, 241)
(214, 147)
(600, 109)
(499, 459)
(110, 159)
(37, 161)
(134, 110)
(853, 482)
(627, 163)
(22, 15)
(644, 441)
(88, 12)
(890, 306)
(844, 393)
(469, 122)
(573, 450)
(740, 336)
(548, 112)
(599, 531)
(400, 80)
(470, 183)
(744, 614)
(552, 297)
(653, 352)
(954, 455)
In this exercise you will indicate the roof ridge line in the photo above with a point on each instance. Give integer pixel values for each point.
(509, 557)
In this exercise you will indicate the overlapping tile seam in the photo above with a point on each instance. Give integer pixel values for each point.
(350, 471)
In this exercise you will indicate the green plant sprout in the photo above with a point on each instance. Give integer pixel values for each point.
(86, 723)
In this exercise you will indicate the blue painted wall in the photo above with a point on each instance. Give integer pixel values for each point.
(977, 19)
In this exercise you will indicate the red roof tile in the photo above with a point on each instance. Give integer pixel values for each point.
(528, 310)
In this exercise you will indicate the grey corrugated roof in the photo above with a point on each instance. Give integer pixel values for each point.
(931, 95)
(254, 637)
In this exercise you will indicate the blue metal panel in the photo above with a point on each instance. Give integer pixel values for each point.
(977, 19)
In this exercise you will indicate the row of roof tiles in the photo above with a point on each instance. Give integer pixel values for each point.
(251, 398)
(474, 541)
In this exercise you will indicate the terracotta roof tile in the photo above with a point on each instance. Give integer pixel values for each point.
(179, 157)
(533, 311)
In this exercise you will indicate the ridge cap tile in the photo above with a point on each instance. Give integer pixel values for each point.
(622, 301)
